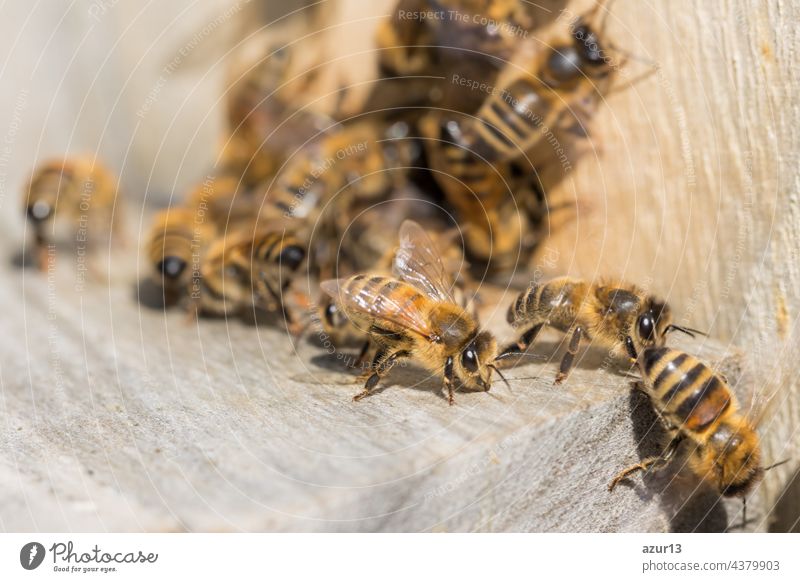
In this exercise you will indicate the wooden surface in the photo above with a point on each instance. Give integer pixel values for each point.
(116, 417)
(119, 417)
(695, 187)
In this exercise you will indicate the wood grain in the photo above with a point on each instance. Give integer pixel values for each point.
(118, 417)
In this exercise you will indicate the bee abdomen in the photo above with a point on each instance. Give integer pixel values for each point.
(700, 408)
(524, 305)
(685, 388)
(508, 114)
(380, 289)
(268, 246)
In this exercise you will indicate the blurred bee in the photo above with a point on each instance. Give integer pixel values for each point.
(180, 235)
(559, 89)
(362, 161)
(174, 248)
(333, 179)
(265, 119)
(697, 405)
(79, 193)
(501, 207)
(620, 317)
(225, 203)
(536, 103)
(248, 268)
(425, 37)
(414, 315)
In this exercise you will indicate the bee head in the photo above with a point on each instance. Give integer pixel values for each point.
(732, 458)
(583, 56)
(473, 365)
(651, 326)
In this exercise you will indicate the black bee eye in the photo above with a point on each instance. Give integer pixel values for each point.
(646, 326)
(39, 211)
(588, 46)
(292, 256)
(469, 359)
(331, 312)
(171, 267)
(564, 64)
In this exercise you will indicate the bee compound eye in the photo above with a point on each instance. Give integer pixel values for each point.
(646, 327)
(39, 211)
(331, 313)
(564, 64)
(292, 256)
(171, 267)
(469, 359)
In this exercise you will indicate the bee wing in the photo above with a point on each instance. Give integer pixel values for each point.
(417, 262)
(759, 401)
(381, 306)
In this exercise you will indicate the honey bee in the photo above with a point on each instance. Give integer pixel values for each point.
(332, 180)
(224, 202)
(618, 316)
(175, 245)
(425, 37)
(414, 315)
(79, 192)
(372, 243)
(248, 268)
(180, 235)
(697, 405)
(264, 119)
(559, 89)
(502, 208)
(363, 161)
(476, 158)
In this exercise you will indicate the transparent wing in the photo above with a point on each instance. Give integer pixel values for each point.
(384, 307)
(760, 397)
(417, 261)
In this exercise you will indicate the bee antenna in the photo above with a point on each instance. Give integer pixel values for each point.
(778, 464)
(633, 57)
(503, 378)
(687, 330)
(505, 355)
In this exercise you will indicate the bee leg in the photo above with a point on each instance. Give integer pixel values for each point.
(43, 259)
(381, 364)
(293, 325)
(525, 340)
(362, 355)
(648, 463)
(192, 312)
(277, 303)
(569, 358)
(449, 380)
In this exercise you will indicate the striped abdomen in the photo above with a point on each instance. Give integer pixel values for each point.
(525, 303)
(279, 249)
(466, 175)
(556, 302)
(511, 120)
(686, 391)
(298, 193)
(383, 296)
